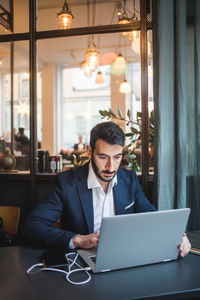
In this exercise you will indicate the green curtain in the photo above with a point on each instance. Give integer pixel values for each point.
(176, 40)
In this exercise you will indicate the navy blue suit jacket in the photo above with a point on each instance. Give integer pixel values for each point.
(71, 200)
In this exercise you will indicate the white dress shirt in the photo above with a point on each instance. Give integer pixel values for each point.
(103, 203)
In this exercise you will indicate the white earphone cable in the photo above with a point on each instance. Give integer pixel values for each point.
(72, 262)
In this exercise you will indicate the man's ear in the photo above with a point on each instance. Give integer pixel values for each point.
(89, 151)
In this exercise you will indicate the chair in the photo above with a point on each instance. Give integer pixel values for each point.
(10, 216)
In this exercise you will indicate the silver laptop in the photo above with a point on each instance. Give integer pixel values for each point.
(137, 239)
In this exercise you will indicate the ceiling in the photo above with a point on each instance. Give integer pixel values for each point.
(43, 4)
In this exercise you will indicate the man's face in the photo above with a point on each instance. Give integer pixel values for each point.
(105, 159)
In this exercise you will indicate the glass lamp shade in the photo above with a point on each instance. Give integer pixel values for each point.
(99, 78)
(118, 66)
(133, 35)
(92, 58)
(86, 69)
(108, 58)
(124, 20)
(65, 17)
(125, 87)
(65, 21)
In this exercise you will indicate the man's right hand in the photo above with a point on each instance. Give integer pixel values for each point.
(86, 241)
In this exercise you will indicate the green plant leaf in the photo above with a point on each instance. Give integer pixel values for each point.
(132, 156)
(120, 113)
(103, 113)
(112, 113)
(129, 134)
(129, 145)
(134, 130)
(129, 113)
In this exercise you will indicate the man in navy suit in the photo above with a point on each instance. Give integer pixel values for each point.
(83, 196)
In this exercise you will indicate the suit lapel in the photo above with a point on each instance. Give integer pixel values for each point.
(121, 197)
(85, 195)
(118, 197)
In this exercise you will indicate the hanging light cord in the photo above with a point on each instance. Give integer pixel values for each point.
(113, 14)
(93, 11)
(93, 15)
(88, 20)
(93, 5)
(134, 12)
(126, 11)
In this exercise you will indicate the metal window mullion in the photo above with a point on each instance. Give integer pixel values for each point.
(33, 99)
(144, 98)
(12, 94)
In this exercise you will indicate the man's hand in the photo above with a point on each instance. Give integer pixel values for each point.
(185, 246)
(86, 241)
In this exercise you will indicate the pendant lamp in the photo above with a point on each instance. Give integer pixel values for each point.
(125, 87)
(65, 17)
(118, 66)
(86, 69)
(99, 78)
(92, 57)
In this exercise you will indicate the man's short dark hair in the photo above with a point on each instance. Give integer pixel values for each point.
(109, 132)
(21, 129)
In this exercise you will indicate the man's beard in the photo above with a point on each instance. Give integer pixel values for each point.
(96, 171)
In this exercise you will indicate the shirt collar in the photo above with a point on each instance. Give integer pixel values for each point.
(93, 182)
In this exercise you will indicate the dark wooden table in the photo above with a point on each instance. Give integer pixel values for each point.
(171, 280)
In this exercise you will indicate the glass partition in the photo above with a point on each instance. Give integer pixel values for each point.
(69, 95)
(21, 16)
(56, 105)
(15, 108)
(5, 103)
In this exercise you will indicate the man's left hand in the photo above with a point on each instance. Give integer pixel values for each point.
(185, 246)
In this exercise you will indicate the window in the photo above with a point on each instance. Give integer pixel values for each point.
(81, 101)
